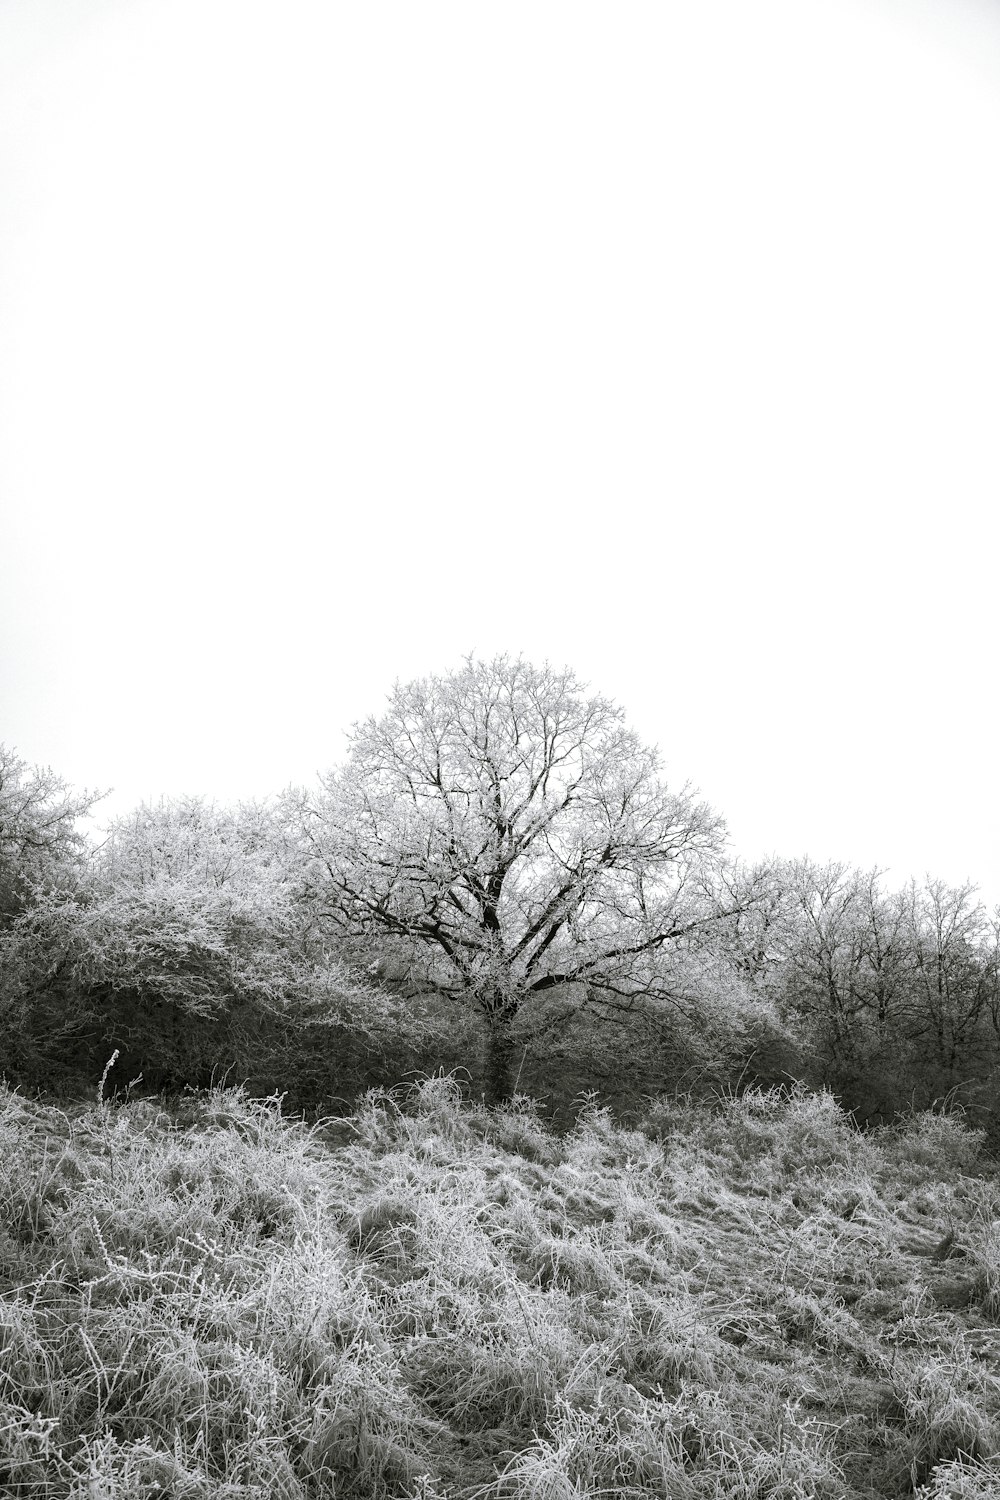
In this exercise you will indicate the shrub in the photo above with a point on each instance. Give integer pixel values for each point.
(941, 1143)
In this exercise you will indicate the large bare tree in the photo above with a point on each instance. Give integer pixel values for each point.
(509, 833)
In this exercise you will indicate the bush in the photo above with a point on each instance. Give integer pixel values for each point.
(941, 1143)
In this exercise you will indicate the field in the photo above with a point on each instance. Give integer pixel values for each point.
(748, 1299)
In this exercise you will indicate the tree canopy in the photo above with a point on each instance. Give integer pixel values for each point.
(510, 834)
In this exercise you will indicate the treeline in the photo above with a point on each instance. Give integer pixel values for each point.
(891, 995)
(496, 881)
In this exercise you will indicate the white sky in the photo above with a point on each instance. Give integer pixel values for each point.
(662, 339)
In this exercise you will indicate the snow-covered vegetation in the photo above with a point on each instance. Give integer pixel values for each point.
(743, 1299)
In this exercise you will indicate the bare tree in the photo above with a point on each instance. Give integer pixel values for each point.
(951, 937)
(511, 835)
(40, 841)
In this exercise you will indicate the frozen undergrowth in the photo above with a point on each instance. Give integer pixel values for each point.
(744, 1301)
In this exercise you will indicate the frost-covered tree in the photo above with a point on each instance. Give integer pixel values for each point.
(40, 839)
(954, 968)
(507, 833)
(197, 841)
(893, 993)
(183, 943)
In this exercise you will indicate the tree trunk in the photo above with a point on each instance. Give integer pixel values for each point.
(499, 1059)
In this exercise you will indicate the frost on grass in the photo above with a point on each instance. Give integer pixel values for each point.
(749, 1300)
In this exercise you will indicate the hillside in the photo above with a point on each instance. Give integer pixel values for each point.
(746, 1301)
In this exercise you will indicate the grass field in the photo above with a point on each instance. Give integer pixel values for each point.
(748, 1300)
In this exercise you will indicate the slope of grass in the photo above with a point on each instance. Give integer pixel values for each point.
(434, 1301)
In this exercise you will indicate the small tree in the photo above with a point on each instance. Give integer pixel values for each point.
(511, 836)
(954, 975)
(40, 842)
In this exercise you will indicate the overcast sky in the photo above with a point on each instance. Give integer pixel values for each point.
(660, 339)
